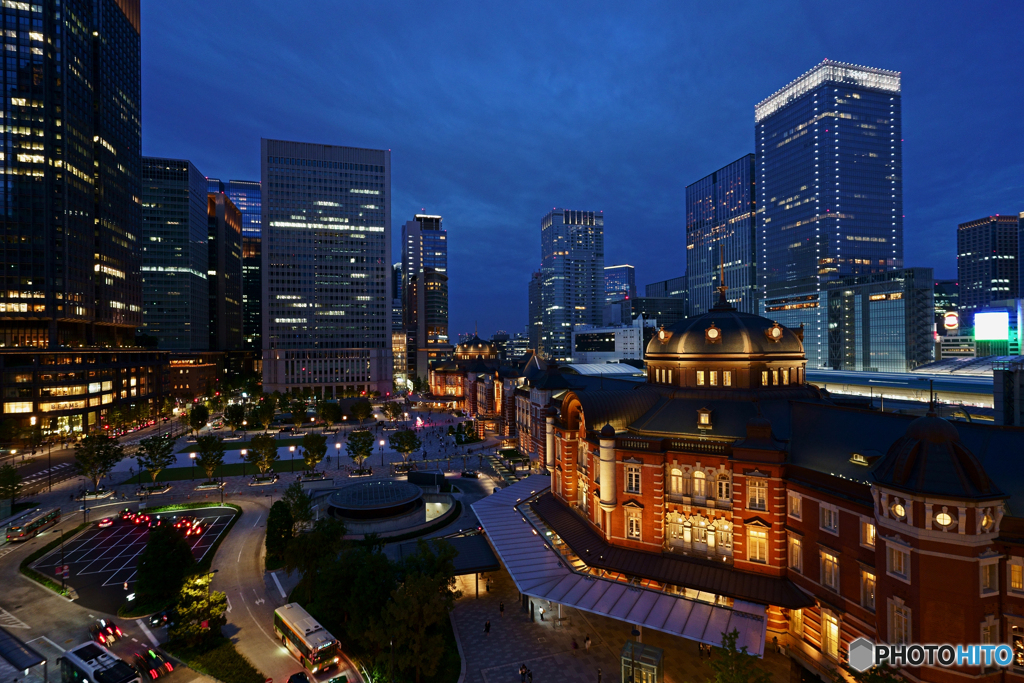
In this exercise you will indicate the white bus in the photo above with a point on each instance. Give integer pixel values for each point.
(308, 641)
(93, 663)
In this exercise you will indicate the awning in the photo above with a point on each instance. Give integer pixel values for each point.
(474, 554)
(540, 572)
(20, 655)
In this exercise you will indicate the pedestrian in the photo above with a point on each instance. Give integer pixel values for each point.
(487, 627)
(575, 646)
(586, 643)
(501, 608)
(522, 673)
(529, 676)
(598, 674)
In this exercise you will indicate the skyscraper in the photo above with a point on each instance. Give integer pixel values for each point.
(619, 283)
(175, 252)
(326, 255)
(72, 217)
(536, 310)
(225, 273)
(986, 263)
(247, 197)
(572, 278)
(829, 190)
(720, 224)
(425, 295)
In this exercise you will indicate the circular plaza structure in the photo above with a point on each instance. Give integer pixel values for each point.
(366, 501)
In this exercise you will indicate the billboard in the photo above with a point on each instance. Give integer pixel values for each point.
(951, 321)
(992, 326)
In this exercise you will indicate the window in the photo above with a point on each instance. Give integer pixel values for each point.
(828, 517)
(757, 493)
(757, 545)
(829, 570)
(727, 378)
(989, 631)
(699, 484)
(723, 487)
(676, 482)
(700, 378)
(897, 562)
(724, 537)
(989, 577)
(632, 480)
(703, 418)
(764, 378)
(670, 377)
(633, 524)
(775, 377)
(867, 533)
(794, 503)
(1016, 577)
(899, 633)
(785, 376)
(796, 621)
(18, 407)
(713, 376)
(829, 634)
(867, 590)
(795, 548)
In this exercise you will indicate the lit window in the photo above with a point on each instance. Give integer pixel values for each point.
(867, 534)
(794, 504)
(830, 634)
(18, 407)
(795, 548)
(632, 480)
(700, 378)
(699, 484)
(633, 525)
(757, 545)
(727, 378)
(944, 519)
(828, 518)
(867, 590)
(713, 375)
(775, 377)
(989, 580)
(1016, 577)
(796, 621)
(757, 494)
(829, 570)
(723, 487)
(676, 482)
(785, 376)
(764, 378)
(897, 562)
(900, 632)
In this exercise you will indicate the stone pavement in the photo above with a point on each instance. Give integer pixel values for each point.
(546, 647)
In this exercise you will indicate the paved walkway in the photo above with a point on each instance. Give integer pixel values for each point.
(546, 647)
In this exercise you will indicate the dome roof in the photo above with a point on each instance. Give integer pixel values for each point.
(930, 459)
(724, 331)
(475, 346)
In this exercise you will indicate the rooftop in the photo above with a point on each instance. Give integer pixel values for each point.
(828, 71)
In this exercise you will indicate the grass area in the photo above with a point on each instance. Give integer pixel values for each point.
(21, 507)
(222, 662)
(234, 469)
(42, 578)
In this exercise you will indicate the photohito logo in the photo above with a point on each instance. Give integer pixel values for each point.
(864, 654)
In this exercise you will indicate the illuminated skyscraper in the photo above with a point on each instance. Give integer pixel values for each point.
(829, 190)
(326, 254)
(986, 263)
(619, 283)
(225, 272)
(246, 195)
(425, 300)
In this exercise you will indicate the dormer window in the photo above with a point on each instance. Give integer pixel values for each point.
(703, 418)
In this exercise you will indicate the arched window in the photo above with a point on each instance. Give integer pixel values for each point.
(723, 487)
(676, 482)
(699, 484)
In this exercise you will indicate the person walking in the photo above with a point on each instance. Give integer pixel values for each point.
(575, 646)
(598, 674)
(487, 627)
(586, 643)
(522, 673)
(501, 608)
(529, 676)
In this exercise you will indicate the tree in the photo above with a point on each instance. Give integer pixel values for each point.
(211, 454)
(734, 665)
(359, 446)
(96, 455)
(10, 483)
(254, 418)
(183, 419)
(163, 566)
(262, 452)
(155, 454)
(199, 613)
(198, 417)
(361, 410)
(298, 409)
(314, 448)
(267, 410)
(167, 407)
(330, 413)
(310, 553)
(279, 532)
(300, 505)
(8, 430)
(405, 442)
(391, 410)
(234, 415)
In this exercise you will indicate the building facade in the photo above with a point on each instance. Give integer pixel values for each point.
(619, 283)
(175, 254)
(247, 196)
(986, 263)
(829, 190)
(536, 310)
(655, 310)
(225, 273)
(572, 278)
(425, 292)
(326, 256)
(608, 344)
(721, 220)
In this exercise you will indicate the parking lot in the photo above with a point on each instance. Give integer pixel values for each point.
(102, 561)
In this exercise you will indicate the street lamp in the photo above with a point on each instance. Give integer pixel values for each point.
(244, 453)
(245, 425)
(382, 452)
(632, 653)
(291, 458)
(337, 446)
(193, 457)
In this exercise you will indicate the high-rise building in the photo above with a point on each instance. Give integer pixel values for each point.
(247, 197)
(986, 263)
(572, 272)
(425, 295)
(175, 251)
(720, 226)
(72, 256)
(829, 190)
(947, 300)
(655, 310)
(619, 283)
(673, 288)
(536, 312)
(225, 273)
(326, 254)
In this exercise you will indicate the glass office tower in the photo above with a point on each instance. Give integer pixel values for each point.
(425, 300)
(619, 283)
(830, 190)
(572, 273)
(225, 272)
(986, 263)
(720, 222)
(326, 255)
(175, 265)
(246, 195)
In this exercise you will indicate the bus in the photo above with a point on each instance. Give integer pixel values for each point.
(33, 524)
(308, 641)
(93, 663)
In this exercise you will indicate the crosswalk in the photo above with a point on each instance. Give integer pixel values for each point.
(8, 620)
(32, 478)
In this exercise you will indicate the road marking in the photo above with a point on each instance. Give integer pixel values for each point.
(135, 640)
(258, 625)
(259, 600)
(274, 574)
(257, 520)
(229, 602)
(149, 634)
(10, 621)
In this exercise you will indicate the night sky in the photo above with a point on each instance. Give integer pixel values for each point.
(497, 112)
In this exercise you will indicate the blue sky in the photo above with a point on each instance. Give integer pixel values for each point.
(496, 112)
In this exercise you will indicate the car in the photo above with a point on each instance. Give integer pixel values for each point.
(155, 522)
(470, 474)
(284, 430)
(126, 514)
(301, 677)
(105, 522)
(151, 664)
(105, 632)
(160, 619)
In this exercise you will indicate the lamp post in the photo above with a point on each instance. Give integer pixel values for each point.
(632, 654)
(192, 456)
(291, 458)
(245, 428)
(382, 452)
(337, 454)
(244, 453)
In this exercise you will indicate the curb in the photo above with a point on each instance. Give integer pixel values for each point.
(458, 643)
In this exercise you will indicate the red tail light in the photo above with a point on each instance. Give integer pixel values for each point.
(103, 638)
(169, 667)
(152, 673)
(118, 631)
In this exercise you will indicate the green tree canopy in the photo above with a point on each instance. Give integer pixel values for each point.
(211, 453)
(300, 504)
(732, 665)
(198, 417)
(359, 446)
(253, 417)
(199, 613)
(96, 455)
(267, 410)
(234, 415)
(163, 566)
(10, 483)
(310, 553)
(262, 452)
(405, 441)
(279, 531)
(361, 410)
(314, 448)
(155, 454)
(391, 410)
(330, 413)
(298, 408)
